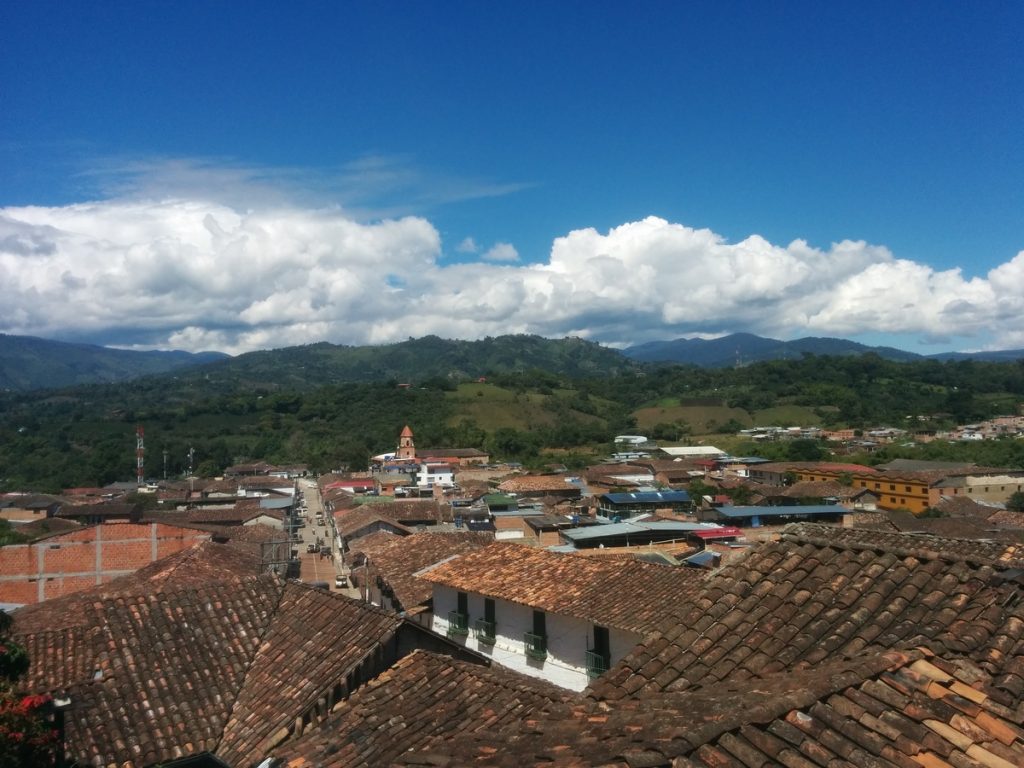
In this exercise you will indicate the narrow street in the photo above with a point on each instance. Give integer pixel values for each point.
(314, 566)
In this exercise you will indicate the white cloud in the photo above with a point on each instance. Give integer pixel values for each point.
(501, 252)
(191, 274)
(468, 245)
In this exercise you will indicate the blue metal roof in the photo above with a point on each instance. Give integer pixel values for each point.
(648, 497)
(269, 503)
(811, 511)
(705, 557)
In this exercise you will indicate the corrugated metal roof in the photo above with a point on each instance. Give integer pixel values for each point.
(816, 509)
(647, 497)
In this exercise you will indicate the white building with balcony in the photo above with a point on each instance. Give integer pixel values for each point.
(431, 474)
(564, 618)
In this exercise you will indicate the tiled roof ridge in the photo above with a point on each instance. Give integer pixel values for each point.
(810, 685)
(189, 555)
(228, 719)
(902, 544)
(504, 678)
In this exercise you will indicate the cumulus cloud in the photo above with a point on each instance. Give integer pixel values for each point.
(501, 252)
(468, 245)
(191, 274)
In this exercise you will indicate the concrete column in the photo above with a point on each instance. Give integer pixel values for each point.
(99, 553)
(40, 571)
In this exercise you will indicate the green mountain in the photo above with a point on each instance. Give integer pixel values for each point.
(29, 363)
(745, 348)
(415, 361)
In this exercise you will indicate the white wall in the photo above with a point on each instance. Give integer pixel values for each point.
(273, 522)
(568, 639)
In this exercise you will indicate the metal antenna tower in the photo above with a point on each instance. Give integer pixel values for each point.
(140, 452)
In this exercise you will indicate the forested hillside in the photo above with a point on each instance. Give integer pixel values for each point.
(29, 363)
(85, 435)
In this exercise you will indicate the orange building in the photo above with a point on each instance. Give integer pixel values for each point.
(406, 448)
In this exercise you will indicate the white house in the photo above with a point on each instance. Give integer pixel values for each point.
(431, 474)
(565, 618)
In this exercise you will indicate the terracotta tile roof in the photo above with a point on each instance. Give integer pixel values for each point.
(411, 512)
(314, 640)
(816, 490)
(1005, 518)
(161, 669)
(924, 547)
(394, 559)
(232, 516)
(51, 526)
(822, 592)
(873, 521)
(227, 487)
(607, 470)
(810, 466)
(423, 699)
(536, 484)
(181, 658)
(351, 521)
(199, 564)
(252, 538)
(893, 710)
(630, 595)
(261, 483)
(964, 506)
(961, 527)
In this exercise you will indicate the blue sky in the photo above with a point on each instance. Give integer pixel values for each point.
(505, 129)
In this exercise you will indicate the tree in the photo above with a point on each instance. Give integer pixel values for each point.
(804, 450)
(740, 495)
(698, 489)
(10, 536)
(1016, 502)
(27, 735)
(733, 425)
(208, 468)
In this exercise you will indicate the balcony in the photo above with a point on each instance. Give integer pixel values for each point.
(536, 646)
(483, 630)
(458, 624)
(597, 664)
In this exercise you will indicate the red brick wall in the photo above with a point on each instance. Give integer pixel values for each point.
(67, 563)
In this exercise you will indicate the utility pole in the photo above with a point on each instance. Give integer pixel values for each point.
(191, 477)
(165, 463)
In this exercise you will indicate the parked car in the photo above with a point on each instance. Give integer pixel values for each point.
(340, 582)
(311, 548)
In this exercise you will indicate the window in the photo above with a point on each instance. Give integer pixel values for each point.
(907, 488)
(536, 642)
(484, 628)
(458, 620)
(599, 657)
(892, 487)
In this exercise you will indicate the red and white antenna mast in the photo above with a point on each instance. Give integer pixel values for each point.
(140, 451)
